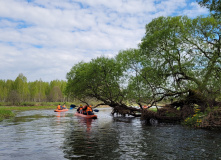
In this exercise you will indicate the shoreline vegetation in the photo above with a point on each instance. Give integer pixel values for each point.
(6, 114)
(210, 119)
(7, 109)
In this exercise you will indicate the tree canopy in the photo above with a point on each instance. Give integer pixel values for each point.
(213, 5)
(185, 53)
(100, 79)
(177, 58)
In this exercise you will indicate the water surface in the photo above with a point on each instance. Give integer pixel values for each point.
(44, 134)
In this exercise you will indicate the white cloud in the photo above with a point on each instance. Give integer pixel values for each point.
(194, 9)
(45, 38)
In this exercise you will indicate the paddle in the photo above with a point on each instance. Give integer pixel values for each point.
(72, 106)
(96, 110)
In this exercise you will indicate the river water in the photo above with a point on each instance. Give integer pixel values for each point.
(48, 135)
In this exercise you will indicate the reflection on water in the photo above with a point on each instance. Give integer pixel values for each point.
(88, 140)
(61, 135)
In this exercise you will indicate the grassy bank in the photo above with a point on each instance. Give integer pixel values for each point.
(6, 109)
(6, 114)
(24, 108)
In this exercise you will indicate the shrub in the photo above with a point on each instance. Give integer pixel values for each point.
(196, 119)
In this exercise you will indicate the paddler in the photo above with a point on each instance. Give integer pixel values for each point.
(64, 107)
(80, 109)
(89, 110)
(59, 107)
(84, 109)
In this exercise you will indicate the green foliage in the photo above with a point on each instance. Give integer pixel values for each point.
(135, 69)
(5, 114)
(98, 79)
(199, 117)
(27, 104)
(176, 55)
(153, 109)
(184, 54)
(20, 91)
(196, 119)
(213, 5)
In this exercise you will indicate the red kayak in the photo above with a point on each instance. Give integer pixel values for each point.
(86, 116)
(61, 110)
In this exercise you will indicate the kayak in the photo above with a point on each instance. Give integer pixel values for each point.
(86, 116)
(61, 110)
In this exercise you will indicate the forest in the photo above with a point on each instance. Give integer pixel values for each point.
(19, 91)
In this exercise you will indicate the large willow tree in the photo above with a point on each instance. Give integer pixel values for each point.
(178, 58)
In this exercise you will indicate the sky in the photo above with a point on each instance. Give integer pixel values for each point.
(44, 39)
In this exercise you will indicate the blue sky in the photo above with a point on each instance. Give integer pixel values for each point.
(43, 39)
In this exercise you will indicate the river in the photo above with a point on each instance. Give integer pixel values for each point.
(48, 135)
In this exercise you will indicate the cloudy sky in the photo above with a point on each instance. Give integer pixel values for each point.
(43, 39)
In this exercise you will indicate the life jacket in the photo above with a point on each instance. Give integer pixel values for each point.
(59, 107)
(89, 109)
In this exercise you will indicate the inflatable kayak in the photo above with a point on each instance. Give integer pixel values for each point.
(86, 116)
(61, 110)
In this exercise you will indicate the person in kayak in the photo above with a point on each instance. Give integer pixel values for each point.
(80, 109)
(84, 109)
(88, 110)
(64, 107)
(59, 107)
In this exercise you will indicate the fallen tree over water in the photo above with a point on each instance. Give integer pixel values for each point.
(178, 59)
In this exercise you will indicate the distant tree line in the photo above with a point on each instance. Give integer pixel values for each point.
(19, 90)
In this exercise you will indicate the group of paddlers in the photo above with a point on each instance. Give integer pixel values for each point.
(60, 107)
(86, 110)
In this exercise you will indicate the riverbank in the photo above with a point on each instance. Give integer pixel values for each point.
(210, 119)
(5, 114)
(23, 108)
(193, 117)
(7, 109)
